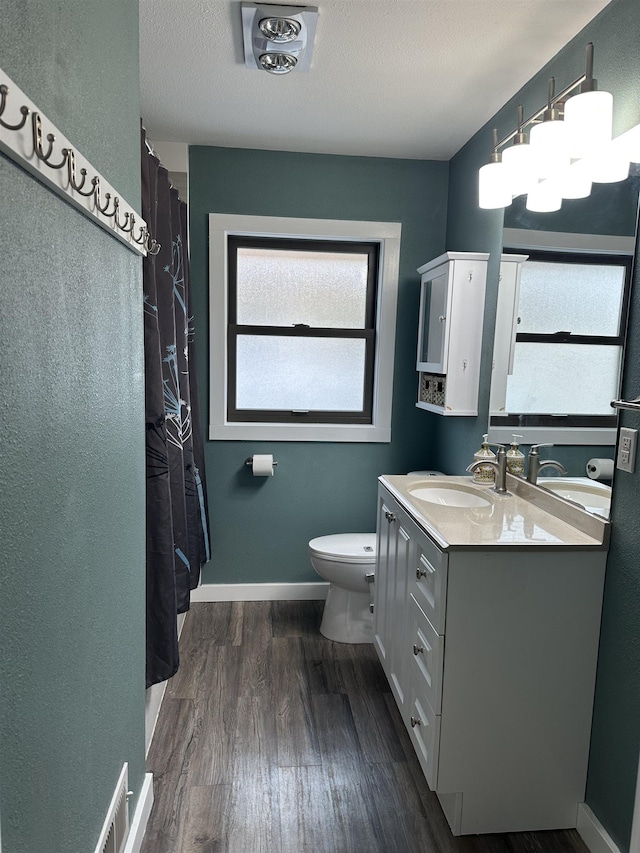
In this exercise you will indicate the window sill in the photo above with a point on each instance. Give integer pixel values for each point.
(554, 435)
(299, 432)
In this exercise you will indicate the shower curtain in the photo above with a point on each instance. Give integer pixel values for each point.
(177, 516)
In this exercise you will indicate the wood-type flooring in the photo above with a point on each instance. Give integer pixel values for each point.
(272, 739)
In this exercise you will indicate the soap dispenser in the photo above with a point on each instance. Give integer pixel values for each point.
(515, 458)
(484, 474)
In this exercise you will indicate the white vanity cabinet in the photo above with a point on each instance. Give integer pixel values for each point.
(491, 656)
(452, 291)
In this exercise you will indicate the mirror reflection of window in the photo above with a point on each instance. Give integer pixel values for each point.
(569, 338)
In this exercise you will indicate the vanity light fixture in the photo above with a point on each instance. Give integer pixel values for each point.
(278, 39)
(569, 148)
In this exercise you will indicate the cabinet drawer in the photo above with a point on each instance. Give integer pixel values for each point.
(429, 581)
(424, 730)
(426, 653)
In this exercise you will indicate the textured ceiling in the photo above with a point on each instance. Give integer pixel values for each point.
(397, 78)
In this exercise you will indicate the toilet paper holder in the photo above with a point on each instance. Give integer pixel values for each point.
(249, 461)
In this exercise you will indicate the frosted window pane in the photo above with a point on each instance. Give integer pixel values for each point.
(316, 374)
(283, 287)
(584, 299)
(563, 379)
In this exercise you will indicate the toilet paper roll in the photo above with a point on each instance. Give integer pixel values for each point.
(262, 465)
(600, 469)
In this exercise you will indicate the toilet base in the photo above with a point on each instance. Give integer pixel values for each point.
(346, 617)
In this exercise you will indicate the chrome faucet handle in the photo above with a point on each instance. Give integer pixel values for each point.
(534, 447)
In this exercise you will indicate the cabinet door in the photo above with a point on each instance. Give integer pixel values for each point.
(432, 335)
(383, 579)
(398, 660)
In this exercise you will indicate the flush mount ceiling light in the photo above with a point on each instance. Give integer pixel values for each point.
(278, 39)
(569, 147)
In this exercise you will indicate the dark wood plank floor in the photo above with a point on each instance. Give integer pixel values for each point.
(272, 739)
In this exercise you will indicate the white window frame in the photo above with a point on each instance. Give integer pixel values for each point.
(387, 234)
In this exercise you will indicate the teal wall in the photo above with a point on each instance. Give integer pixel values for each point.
(72, 471)
(616, 728)
(261, 527)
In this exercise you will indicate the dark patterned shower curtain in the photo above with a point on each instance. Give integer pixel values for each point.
(177, 516)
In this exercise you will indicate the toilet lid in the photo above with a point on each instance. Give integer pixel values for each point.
(346, 547)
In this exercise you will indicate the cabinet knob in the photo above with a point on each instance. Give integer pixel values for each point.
(418, 649)
(422, 573)
(415, 721)
(442, 318)
(390, 516)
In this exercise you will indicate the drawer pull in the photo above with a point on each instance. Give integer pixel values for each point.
(417, 650)
(415, 721)
(370, 577)
(371, 608)
(422, 573)
(390, 516)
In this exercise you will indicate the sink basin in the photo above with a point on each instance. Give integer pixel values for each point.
(593, 496)
(452, 496)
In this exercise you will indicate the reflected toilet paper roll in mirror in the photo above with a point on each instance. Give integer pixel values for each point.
(600, 469)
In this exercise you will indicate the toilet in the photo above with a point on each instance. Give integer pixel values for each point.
(345, 560)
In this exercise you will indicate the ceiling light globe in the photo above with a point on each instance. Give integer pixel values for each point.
(588, 118)
(493, 186)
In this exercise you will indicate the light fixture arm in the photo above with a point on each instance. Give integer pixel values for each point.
(586, 83)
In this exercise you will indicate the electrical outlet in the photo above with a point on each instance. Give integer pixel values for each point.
(627, 442)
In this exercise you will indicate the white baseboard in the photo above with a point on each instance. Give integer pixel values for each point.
(143, 810)
(153, 700)
(593, 833)
(260, 592)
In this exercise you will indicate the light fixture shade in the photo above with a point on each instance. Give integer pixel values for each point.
(588, 118)
(550, 146)
(494, 186)
(520, 161)
(575, 181)
(627, 145)
(544, 198)
(609, 168)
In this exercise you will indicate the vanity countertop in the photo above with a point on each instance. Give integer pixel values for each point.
(529, 518)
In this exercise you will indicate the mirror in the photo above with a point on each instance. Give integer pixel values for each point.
(603, 224)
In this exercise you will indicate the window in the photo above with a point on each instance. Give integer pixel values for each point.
(567, 359)
(306, 313)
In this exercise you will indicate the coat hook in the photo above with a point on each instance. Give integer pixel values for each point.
(37, 144)
(4, 91)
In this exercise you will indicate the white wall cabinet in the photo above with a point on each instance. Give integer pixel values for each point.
(452, 291)
(491, 657)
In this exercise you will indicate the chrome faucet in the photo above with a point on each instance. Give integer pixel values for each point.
(499, 466)
(535, 465)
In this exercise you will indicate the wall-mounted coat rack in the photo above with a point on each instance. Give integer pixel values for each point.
(56, 163)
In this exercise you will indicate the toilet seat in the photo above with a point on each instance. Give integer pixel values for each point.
(345, 547)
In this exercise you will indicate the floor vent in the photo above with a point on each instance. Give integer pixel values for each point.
(116, 825)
